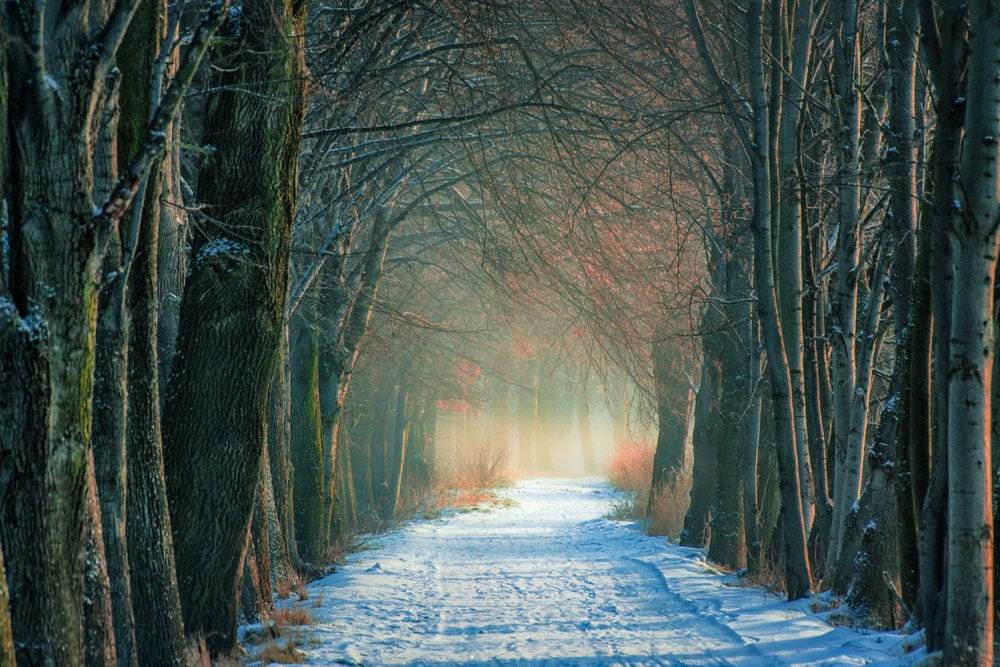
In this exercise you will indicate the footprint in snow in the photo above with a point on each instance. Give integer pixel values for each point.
(377, 567)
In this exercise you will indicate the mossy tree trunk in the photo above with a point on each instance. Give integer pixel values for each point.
(232, 311)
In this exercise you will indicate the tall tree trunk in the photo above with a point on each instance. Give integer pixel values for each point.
(728, 545)
(902, 220)
(975, 232)
(798, 579)
(108, 437)
(789, 235)
(815, 365)
(756, 142)
(338, 363)
(944, 29)
(58, 227)
(155, 597)
(48, 316)
(707, 428)
(279, 454)
(848, 438)
(400, 440)
(232, 311)
(673, 402)
(306, 443)
(706, 454)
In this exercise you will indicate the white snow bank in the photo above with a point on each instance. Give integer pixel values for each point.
(550, 581)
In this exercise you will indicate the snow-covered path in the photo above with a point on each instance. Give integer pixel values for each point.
(549, 581)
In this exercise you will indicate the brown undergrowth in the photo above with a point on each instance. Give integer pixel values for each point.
(630, 471)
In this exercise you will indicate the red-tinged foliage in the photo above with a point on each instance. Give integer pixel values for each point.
(631, 467)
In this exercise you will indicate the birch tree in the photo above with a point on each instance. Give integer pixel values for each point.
(975, 237)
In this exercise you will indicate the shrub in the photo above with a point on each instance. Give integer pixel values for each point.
(479, 466)
(470, 479)
(285, 652)
(631, 467)
(631, 471)
(670, 502)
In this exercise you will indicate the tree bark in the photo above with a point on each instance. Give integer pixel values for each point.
(306, 443)
(673, 402)
(975, 234)
(256, 595)
(707, 429)
(232, 311)
(98, 623)
(155, 601)
(944, 29)
(848, 425)
(6, 637)
(48, 310)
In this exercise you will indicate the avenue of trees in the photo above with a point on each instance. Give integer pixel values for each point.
(268, 268)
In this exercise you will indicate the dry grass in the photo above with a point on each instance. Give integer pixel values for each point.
(670, 503)
(292, 616)
(631, 467)
(285, 652)
(767, 575)
(480, 466)
(631, 471)
(196, 655)
(280, 639)
(470, 480)
(285, 586)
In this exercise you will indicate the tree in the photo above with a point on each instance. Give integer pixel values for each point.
(232, 311)
(975, 236)
(58, 228)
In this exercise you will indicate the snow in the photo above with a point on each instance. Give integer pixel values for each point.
(222, 245)
(549, 580)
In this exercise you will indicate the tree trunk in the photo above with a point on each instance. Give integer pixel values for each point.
(108, 440)
(902, 220)
(788, 259)
(798, 579)
(673, 401)
(306, 443)
(48, 314)
(279, 455)
(232, 312)
(707, 429)
(738, 385)
(257, 596)
(400, 440)
(586, 432)
(976, 238)
(98, 624)
(848, 439)
(155, 598)
(6, 638)
(944, 37)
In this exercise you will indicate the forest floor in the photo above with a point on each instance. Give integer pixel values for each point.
(545, 579)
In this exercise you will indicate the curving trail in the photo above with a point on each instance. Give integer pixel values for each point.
(549, 581)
